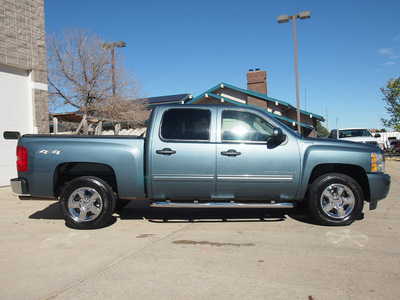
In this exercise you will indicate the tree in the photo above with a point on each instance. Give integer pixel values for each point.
(80, 76)
(321, 130)
(392, 98)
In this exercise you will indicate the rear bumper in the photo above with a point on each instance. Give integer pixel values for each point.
(379, 185)
(19, 186)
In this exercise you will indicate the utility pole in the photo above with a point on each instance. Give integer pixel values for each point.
(327, 120)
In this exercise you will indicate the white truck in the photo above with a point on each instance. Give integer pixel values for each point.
(361, 135)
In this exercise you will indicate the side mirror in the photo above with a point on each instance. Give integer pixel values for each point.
(278, 135)
(377, 135)
(11, 135)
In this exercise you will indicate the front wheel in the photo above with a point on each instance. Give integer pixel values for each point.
(335, 199)
(87, 203)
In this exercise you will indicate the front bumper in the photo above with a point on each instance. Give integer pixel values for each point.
(19, 186)
(379, 186)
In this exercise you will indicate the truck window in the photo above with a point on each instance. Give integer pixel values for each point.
(244, 126)
(186, 125)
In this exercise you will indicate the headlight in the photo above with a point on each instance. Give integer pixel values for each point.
(377, 163)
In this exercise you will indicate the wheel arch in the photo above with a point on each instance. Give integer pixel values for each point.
(69, 171)
(353, 171)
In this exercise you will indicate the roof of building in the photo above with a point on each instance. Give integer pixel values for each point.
(168, 99)
(256, 95)
(211, 93)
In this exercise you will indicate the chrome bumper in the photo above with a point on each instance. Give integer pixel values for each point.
(19, 186)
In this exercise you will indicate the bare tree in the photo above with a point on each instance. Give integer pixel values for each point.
(80, 76)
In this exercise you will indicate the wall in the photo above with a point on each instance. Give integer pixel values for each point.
(23, 47)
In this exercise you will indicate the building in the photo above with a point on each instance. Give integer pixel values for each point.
(283, 111)
(255, 95)
(223, 93)
(23, 77)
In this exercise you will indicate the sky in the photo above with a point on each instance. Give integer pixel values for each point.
(347, 50)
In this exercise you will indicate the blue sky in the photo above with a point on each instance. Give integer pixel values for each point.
(347, 51)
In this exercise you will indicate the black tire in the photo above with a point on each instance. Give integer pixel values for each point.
(335, 200)
(87, 203)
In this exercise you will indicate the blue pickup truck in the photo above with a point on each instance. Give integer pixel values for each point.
(202, 156)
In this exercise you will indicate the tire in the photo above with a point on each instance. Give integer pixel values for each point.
(87, 203)
(335, 200)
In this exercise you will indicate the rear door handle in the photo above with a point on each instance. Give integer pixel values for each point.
(230, 152)
(166, 151)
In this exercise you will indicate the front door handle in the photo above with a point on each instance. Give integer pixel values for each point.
(230, 152)
(166, 151)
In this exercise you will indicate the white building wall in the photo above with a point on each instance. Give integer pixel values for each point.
(16, 114)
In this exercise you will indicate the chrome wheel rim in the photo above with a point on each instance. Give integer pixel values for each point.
(85, 204)
(337, 201)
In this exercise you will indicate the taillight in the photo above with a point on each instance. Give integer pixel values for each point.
(22, 159)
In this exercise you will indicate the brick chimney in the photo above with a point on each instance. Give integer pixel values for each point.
(257, 81)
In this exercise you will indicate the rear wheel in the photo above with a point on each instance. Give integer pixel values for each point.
(87, 202)
(335, 199)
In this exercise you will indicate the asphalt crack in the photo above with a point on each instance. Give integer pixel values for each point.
(215, 244)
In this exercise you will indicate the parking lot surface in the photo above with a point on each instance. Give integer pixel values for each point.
(199, 254)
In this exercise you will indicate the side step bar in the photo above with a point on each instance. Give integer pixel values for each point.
(221, 205)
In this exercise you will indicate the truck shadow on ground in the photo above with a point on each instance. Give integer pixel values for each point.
(137, 210)
(142, 209)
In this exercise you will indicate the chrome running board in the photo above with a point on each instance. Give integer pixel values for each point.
(221, 205)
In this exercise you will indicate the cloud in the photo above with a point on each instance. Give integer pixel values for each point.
(396, 38)
(386, 51)
(389, 63)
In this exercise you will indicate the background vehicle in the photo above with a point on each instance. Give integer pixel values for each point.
(202, 155)
(361, 135)
(394, 146)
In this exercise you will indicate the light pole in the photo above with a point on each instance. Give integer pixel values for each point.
(284, 19)
(119, 44)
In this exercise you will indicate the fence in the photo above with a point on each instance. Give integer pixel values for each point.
(86, 128)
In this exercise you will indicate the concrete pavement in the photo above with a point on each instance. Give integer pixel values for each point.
(281, 256)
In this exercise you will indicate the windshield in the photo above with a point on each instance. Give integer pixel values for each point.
(354, 133)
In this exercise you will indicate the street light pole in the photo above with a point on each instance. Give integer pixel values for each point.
(297, 74)
(119, 44)
(113, 69)
(284, 19)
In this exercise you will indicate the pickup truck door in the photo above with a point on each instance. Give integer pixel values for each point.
(250, 165)
(182, 156)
